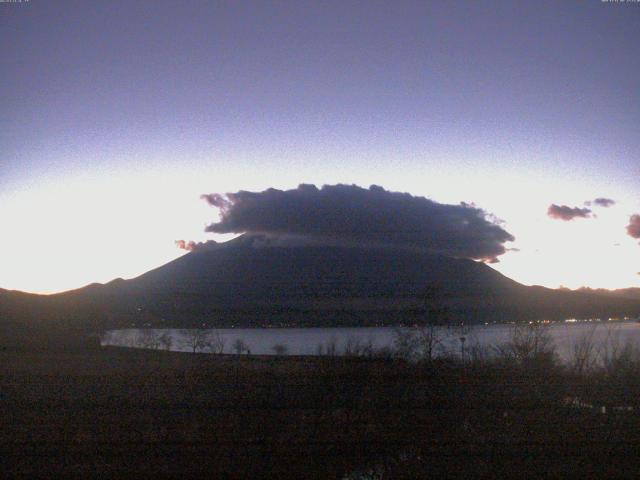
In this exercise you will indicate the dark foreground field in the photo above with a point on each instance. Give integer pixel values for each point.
(117, 412)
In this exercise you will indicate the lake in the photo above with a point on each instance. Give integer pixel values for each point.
(311, 341)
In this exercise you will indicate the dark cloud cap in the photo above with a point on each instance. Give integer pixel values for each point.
(371, 216)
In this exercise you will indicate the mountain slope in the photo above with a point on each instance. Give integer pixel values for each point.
(245, 283)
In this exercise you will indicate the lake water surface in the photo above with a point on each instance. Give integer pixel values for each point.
(311, 341)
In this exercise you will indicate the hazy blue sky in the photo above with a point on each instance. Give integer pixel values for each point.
(117, 115)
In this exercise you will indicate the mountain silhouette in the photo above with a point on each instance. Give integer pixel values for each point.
(251, 281)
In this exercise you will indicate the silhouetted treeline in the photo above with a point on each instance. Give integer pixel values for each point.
(118, 412)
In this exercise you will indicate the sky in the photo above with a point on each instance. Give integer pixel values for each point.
(115, 117)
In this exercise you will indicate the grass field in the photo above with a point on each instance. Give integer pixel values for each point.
(115, 412)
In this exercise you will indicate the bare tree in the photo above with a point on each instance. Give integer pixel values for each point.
(617, 356)
(418, 343)
(530, 344)
(354, 347)
(462, 331)
(406, 343)
(196, 339)
(148, 338)
(331, 348)
(239, 346)
(166, 340)
(585, 355)
(429, 339)
(216, 344)
(479, 354)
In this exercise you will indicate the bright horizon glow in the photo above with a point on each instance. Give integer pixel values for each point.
(124, 224)
(117, 116)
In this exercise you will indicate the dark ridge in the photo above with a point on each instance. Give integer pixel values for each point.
(244, 283)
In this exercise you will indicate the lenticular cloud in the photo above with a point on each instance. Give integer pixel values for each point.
(355, 215)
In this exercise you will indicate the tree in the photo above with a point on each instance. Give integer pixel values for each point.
(331, 347)
(406, 343)
(216, 344)
(354, 347)
(585, 355)
(239, 346)
(195, 339)
(148, 338)
(166, 340)
(530, 345)
(418, 343)
(429, 337)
